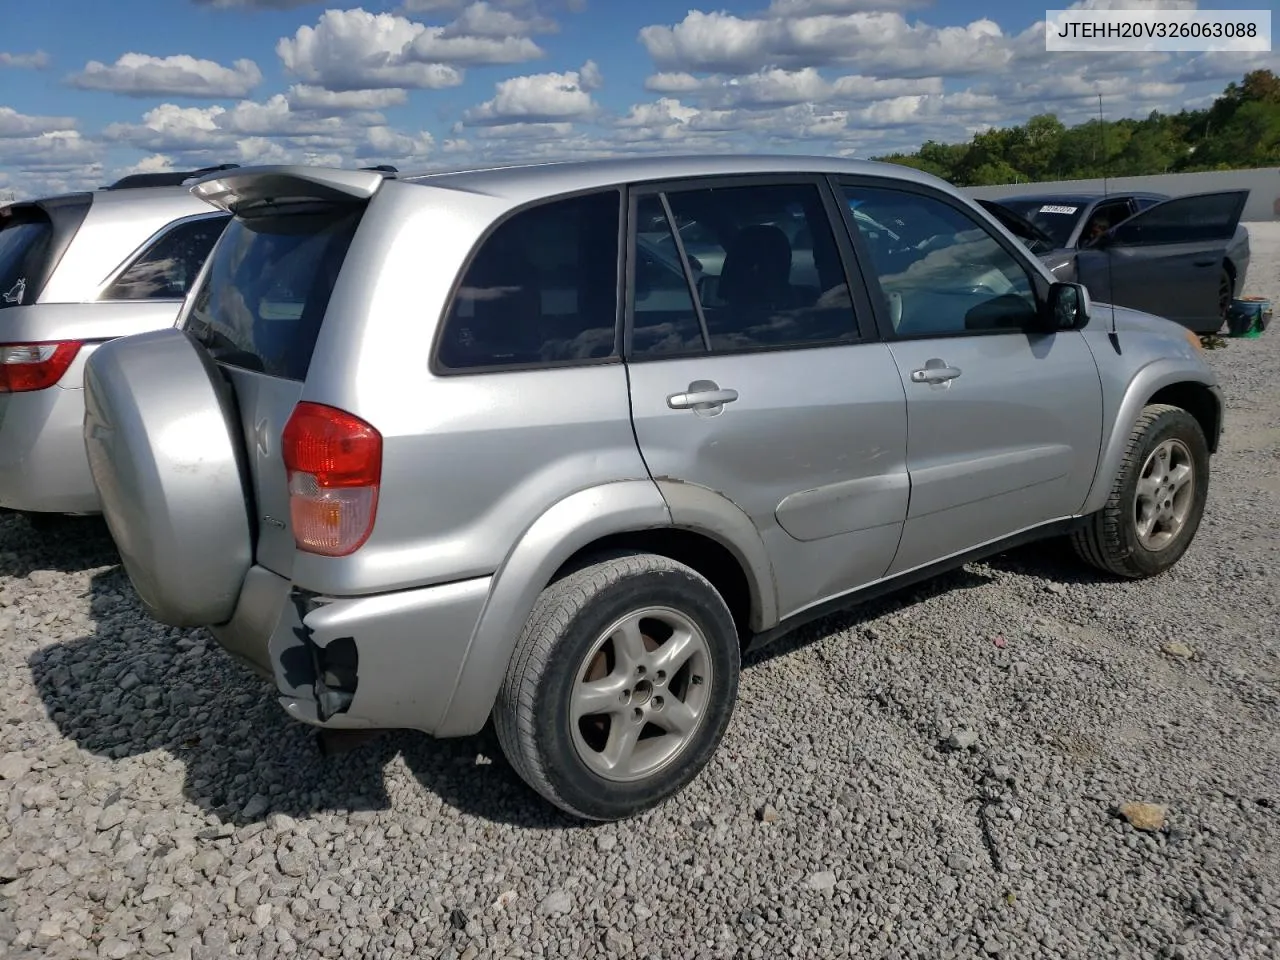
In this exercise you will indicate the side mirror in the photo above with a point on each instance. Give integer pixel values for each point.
(1068, 307)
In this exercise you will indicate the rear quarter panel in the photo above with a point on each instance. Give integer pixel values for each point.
(470, 460)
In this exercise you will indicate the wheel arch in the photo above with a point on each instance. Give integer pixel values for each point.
(695, 526)
(1163, 381)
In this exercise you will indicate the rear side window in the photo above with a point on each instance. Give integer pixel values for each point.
(762, 262)
(24, 245)
(261, 303)
(169, 265)
(542, 289)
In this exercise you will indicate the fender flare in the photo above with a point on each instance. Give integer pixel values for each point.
(563, 529)
(1148, 381)
(703, 510)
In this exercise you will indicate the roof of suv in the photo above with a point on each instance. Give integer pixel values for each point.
(530, 181)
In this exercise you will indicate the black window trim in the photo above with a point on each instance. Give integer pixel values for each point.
(861, 302)
(437, 369)
(145, 247)
(1031, 264)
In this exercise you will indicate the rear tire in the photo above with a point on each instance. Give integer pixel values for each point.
(620, 687)
(1156, 501)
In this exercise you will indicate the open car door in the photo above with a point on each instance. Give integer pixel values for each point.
(1036, 240)
(1168, 259)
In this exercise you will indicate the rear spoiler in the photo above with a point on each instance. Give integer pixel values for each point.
(247, 187)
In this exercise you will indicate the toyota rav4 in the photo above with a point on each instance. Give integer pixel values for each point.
(557, 443)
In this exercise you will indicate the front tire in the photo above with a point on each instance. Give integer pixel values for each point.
(620, 687)
(1156, 501)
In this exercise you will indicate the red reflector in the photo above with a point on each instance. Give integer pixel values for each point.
(334, 464)
(34, 366)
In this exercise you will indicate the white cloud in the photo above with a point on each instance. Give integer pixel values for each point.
(24, 61)
(14, 125)
(483, 19)
(539, 98)
(792, 8)
(1133, 5)
(305, 97)
(152, 163)
(140, 75)
(358, 50)
(776, 87)
(270, 131)
(880, 42)
(253, 4)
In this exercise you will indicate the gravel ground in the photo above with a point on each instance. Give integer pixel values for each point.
(935, 776)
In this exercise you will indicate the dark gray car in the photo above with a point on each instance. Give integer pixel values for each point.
(1183, 258)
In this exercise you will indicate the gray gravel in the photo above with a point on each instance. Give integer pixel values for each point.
(937, 776)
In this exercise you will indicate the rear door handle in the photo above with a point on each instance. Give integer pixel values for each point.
(934, 371)
(1204, 263)
(702, 394)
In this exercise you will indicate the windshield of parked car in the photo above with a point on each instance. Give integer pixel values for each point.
(24, 239)
(1056, 218)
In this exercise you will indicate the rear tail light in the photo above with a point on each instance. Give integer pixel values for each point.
(34, 366)
(334, 464)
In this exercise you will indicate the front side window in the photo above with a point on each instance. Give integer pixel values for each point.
(1193, 219)
(542, 288)
(940, 271)
(169, 265)
(763, 271)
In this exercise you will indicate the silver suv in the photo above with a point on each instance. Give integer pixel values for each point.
(75, 271)
(557, 443)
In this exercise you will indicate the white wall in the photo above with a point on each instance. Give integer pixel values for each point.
(1263, 184)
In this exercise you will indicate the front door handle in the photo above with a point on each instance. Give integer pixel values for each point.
(935, 371)
(701, 395)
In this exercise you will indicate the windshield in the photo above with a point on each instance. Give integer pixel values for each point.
(23, 244)
(1055, 219)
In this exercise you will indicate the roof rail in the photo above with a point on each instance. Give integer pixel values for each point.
(168, 178)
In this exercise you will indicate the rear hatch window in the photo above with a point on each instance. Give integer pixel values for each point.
(261, 303)
(26, 236)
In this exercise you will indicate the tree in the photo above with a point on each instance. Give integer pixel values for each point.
(1240, 129)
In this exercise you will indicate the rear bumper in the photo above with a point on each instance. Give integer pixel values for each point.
(43, 466)
(386, 661)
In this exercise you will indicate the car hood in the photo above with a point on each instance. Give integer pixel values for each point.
(1133, 321)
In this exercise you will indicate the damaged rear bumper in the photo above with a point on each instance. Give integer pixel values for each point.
(379, 662)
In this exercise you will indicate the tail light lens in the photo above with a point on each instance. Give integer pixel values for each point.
(34, 366)
(334, 464)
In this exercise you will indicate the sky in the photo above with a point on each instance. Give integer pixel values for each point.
(91, 90)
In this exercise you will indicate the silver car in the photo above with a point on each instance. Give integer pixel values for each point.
(428, 449)
(75, 271)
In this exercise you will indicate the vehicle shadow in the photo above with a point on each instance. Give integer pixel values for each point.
(1051, 560)
(133, 687)
(69, 545)
(862, 613)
